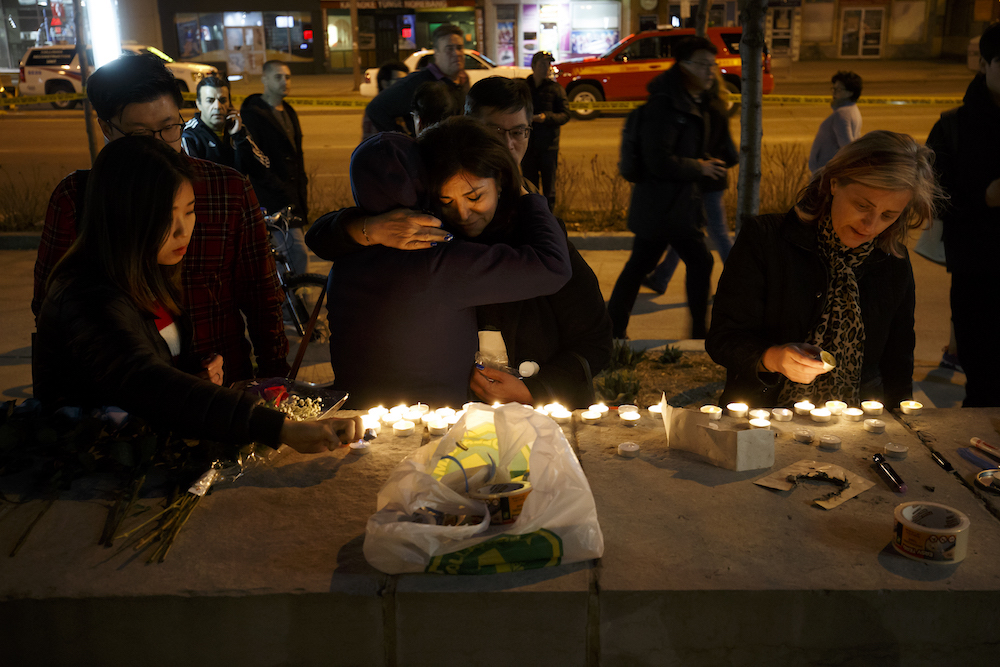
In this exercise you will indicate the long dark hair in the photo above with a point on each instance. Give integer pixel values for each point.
(127, 215)
(462, 144)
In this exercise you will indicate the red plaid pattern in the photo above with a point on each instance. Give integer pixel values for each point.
(228, 272)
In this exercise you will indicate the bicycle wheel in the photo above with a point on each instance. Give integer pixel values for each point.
(303, 293)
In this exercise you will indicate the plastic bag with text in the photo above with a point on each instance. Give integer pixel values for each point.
(427, 522)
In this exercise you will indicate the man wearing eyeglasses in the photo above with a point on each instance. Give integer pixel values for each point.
(504, 105)
(548, 100)
(228, 272)
(666, 208)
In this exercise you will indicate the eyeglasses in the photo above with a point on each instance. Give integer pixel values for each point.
(519, 133)
(168, 134)
(704, 66)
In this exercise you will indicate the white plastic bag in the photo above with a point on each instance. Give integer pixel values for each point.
(557, 524)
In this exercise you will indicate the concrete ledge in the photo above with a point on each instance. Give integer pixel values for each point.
(20, 240)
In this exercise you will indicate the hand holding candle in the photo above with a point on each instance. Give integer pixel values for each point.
(799, 362)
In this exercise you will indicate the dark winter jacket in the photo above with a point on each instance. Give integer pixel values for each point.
(95, 348)
(675, 133)
(286, 183)
(773, 290)
(966, 143)
(390, 110)
(548, 98)
(233, 150)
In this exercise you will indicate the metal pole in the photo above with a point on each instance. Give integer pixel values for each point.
(355, 47)
(95, 138)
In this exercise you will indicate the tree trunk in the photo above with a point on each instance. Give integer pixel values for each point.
(753, 14)
(701, 20)
(355, 47)
(94, 135)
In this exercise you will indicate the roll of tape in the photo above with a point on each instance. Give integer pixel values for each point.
(931, 532)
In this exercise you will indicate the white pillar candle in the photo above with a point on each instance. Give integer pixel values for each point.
(910, 407)
(437, 426)
(561, 416)
(738, 410)
(781, 415)
(871, 408)
(655, 409)
(629, 418)
(590, 416)
(820, 414)
(760, 423)
(804, 407)
(836, 407)
(403, 427)
(599, 407)
(759, 413)
(714, 412)
(874, 425)
(377, 412)
(852, 414)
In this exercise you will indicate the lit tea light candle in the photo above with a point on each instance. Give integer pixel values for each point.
(496, 404)
(759, 413)
(453, 419)
(714, 412)
(414, 416)
(871, 408)
(738, 410)
(820, 414)
(444, 412)
(628, 407)
(911, 407)
(561, 416)
(377, 412)
(830, 443)
(852, 414)
(629, 418)
(400, 409)
(836, 407)
(429, 417)
(781, 415)
(655, 409)
(803, 435)
(403, 427)
(370, 421)
(599, 407)
(437, 426)
(360, 448)
(874, 425)
(390, 418)
(422, 408)
(552, 407)
(590, 416)
(804, 408)
(760, 423)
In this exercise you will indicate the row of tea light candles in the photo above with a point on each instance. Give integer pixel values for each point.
(761, 418)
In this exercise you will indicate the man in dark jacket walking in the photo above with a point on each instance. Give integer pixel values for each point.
(549, 102)
(276, 130)
(966, 143)
(390, 110)
(666, 207)
(217, 134)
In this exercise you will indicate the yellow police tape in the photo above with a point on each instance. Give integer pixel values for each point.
(624, 105)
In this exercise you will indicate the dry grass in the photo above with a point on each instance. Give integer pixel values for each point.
(23, 198)
(328, 194)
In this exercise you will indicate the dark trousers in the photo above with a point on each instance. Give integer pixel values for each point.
(976, 318)
(645, 255)
(539, 167)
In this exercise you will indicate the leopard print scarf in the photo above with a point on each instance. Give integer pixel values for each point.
(840, 331)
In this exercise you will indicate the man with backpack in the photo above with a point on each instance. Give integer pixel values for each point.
(665, 153)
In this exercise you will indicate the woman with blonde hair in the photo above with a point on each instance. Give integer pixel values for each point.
(830, 275)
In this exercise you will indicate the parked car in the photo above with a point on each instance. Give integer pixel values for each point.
(477, 66)
(623, 72)
(49, 70)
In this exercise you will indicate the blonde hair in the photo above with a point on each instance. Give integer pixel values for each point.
(885, 161)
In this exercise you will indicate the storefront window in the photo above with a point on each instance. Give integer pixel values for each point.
(200, 36)
(288, 35)
(568, 30)
(338, 32)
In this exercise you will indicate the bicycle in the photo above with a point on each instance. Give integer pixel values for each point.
(302, 292)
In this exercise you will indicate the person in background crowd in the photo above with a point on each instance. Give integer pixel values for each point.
(666, 207)
(390, 110)
(432, 103)
(390, 73)
(831, 275)
(966, 142)
(216, 133)
(548, 100)
(504, 105)
(228, 273)
(275, 127)
(842, 126)
(112, 329)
